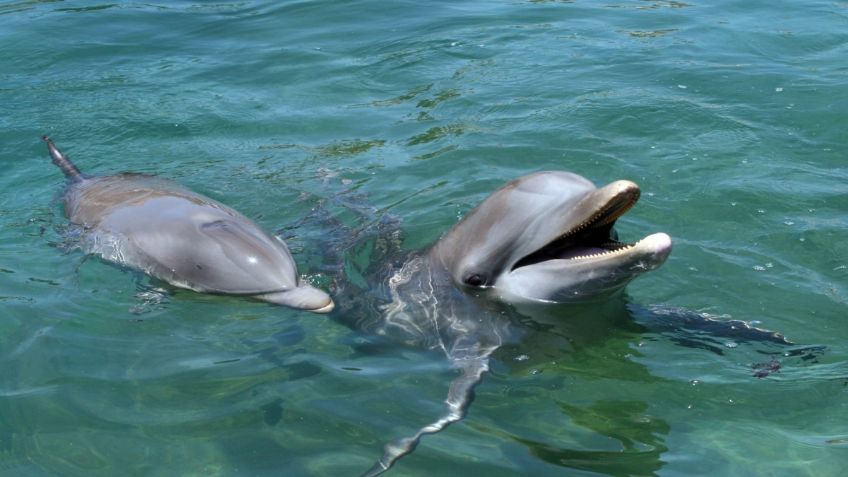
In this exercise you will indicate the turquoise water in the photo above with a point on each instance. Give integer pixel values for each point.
(731, 116)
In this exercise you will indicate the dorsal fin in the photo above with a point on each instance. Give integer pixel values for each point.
(62, 161)
(460, 395)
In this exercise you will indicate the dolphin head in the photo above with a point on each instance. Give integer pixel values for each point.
(222, 251)
(549, 237)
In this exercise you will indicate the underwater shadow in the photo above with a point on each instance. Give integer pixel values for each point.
(641, 440)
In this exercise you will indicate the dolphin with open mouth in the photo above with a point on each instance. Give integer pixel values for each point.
(549, 237)
(186, 239)
(545, 238)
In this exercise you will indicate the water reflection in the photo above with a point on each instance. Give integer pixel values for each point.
(639, 439)
(595, 342)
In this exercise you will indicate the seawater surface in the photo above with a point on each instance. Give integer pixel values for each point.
(731, 115)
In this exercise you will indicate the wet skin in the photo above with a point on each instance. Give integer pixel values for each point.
(541, 240)
(184, 238)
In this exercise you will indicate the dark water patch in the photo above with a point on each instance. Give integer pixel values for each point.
(650, 33)
(349, 148)
(439, 152)
(272, 413)
(24, 299)
(92, 8)
(650, 4)
(412, 94)
(437, 133)
(440, 97)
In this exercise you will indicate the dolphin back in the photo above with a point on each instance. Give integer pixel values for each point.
(184, 238)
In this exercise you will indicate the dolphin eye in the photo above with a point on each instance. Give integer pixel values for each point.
(215, 225)
(475, 280)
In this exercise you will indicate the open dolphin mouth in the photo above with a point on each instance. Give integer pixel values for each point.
(593, 236)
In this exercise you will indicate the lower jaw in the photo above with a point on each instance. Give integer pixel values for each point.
(590, 251)
(653, 248)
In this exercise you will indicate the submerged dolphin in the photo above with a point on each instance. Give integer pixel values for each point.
(188, 240)
(545, 238)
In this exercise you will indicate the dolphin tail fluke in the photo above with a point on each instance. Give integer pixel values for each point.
(62, 161)
(460, 395)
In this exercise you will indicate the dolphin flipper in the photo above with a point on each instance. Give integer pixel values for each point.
(687, 325)
(460, 396)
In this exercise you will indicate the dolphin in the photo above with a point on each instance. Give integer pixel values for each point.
(186, 239)
(543, 239)
(548, 237)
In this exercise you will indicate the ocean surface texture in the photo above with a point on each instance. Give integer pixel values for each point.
(318, 118)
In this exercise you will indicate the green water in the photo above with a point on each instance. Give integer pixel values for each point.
(731, 115)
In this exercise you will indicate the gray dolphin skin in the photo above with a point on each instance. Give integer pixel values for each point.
(190, 241)
(546, 238)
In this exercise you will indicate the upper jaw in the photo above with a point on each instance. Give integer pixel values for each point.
(605, 205)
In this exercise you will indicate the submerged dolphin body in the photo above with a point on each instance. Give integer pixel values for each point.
(545, 238)
(188, 240)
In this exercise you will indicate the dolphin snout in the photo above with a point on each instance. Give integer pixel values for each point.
(325, 309)
(304, 297)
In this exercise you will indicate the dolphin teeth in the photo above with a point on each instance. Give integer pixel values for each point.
(617, 251)
(603, 216)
